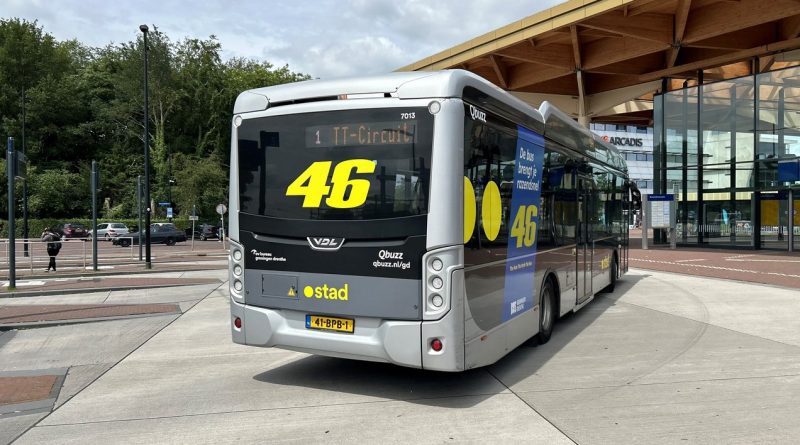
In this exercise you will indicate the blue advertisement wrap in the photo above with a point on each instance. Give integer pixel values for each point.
(523, 220)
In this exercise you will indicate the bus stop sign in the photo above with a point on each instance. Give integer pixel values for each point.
(221, 209)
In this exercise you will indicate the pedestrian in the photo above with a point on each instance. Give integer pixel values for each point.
(53, 246)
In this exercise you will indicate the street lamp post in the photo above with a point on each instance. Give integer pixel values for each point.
(24, 186)
(148, 265)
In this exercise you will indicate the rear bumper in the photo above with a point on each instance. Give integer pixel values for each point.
(390, 341)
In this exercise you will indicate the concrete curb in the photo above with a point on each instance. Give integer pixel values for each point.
(43, 292)
(45, 324)
(105, 273)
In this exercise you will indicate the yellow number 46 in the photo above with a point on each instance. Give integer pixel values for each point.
(312, 184)
(524, 226)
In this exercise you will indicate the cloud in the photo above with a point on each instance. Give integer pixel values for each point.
(360, 55)
(323, 38)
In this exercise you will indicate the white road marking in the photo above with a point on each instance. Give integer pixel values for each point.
(24, 283)
(686, 261)
(766, 261)
(729, 269)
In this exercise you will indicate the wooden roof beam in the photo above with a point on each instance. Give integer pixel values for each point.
(723, 60)
(555, 36)
(525, 75)
(654, 27)
(788, 28)
(681, 16)
(499, 70)
(726, 17)
(644, 6)
(609, 51)
(752, 37)
(555, 55)
(576, 46)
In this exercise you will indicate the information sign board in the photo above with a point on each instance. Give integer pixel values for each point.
(660, 212)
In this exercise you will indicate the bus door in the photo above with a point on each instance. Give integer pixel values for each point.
(584, 243)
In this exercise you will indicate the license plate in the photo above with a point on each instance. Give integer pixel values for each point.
(330, 323)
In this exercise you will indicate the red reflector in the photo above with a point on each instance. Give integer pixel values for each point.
(238, 323)
(436, 345)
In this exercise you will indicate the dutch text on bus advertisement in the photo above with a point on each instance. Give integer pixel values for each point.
(519, 291)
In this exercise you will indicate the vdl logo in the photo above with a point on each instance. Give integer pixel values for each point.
(325, 243)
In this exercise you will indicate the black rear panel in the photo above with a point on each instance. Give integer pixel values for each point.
(386, 258)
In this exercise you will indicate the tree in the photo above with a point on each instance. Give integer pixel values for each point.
(85, 104)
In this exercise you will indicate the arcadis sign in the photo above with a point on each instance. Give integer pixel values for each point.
(623, 142)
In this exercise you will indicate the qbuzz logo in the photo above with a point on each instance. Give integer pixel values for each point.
(477, 115)
(325, 243)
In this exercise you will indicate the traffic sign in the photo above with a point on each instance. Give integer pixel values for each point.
(221, 209)
(163, 204)
(169, 212)
(194, 218)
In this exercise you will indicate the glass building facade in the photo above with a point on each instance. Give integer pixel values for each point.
(724, 148)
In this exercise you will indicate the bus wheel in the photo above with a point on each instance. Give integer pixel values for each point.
(546, 312)
(614, 272)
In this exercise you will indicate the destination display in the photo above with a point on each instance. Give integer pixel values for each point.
(364, 133)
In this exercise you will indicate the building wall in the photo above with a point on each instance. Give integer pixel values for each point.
(725, 153)
(636, 144)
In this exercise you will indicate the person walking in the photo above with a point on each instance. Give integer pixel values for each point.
(53, 247)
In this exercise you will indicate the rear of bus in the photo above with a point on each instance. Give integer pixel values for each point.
(331, 251)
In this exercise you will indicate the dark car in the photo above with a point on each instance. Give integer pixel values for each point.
(160, 233)
(71, 230)
(203, 232)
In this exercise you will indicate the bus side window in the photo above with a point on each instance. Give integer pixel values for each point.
(561, 184)
(489, 156)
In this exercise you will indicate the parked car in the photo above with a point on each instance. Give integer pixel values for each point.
(160, 233)
(203, 232)
(109, 230)
(71, 230)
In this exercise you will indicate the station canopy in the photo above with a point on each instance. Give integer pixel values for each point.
(602, 60)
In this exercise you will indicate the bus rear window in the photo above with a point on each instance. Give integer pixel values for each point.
(336, 165)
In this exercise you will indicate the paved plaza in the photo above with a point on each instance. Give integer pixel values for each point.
(667, 358)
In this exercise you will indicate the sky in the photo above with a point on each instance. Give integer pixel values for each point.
(322, 38)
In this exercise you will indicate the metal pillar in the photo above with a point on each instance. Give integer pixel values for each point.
(139, 212)
(146, 228)
(94, 215)
(10, 162)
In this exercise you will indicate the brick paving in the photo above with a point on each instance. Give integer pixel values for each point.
(779, 268)
(26, 389)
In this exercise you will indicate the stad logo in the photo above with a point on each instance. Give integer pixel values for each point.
(327, 292)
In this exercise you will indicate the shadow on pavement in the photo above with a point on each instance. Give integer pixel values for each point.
(525, 361)
(453, 390)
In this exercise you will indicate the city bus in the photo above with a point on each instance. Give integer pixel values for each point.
(426, 219)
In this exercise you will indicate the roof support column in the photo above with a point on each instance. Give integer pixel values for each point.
(583, 118)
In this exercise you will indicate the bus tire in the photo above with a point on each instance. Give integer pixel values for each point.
(547, 309)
